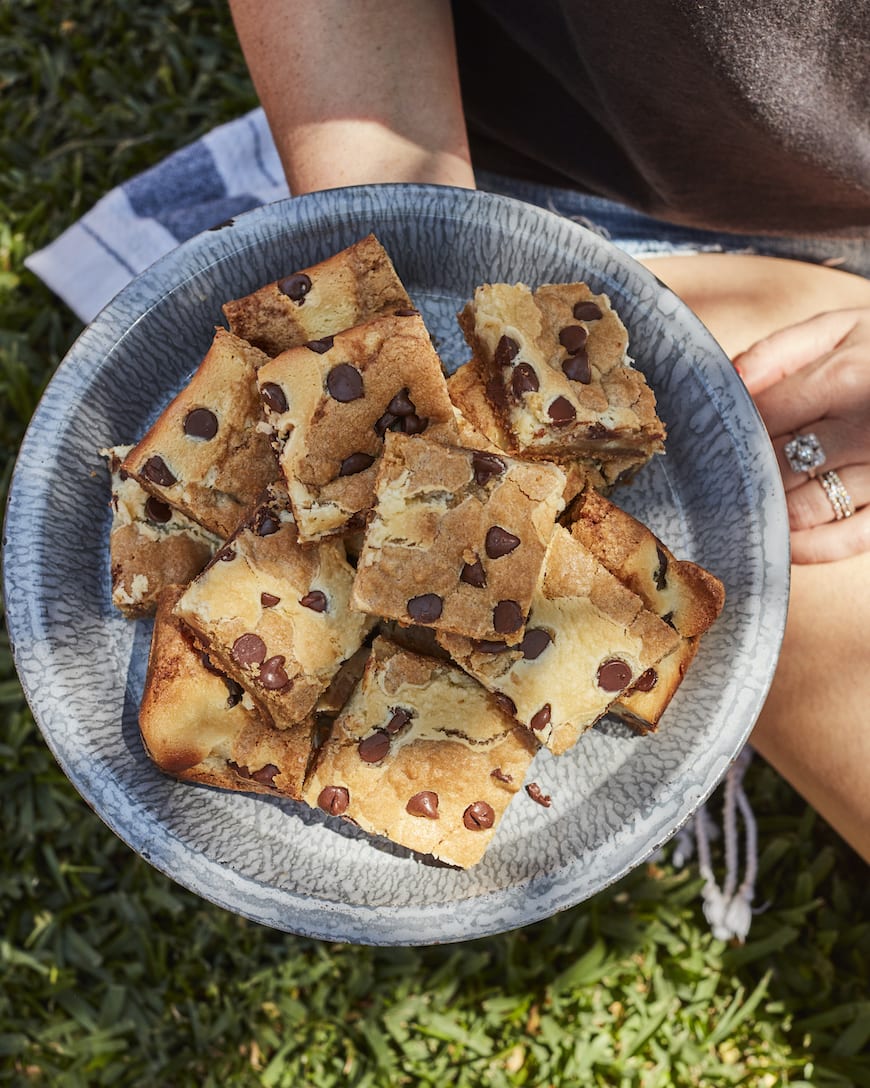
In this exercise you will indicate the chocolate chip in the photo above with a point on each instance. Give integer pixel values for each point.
(541, 718)
(408, 311)
(426, 608)
(486, 466)
(500, 542)
(321, 346)
(507, 617)
(668, 617)
(295, 287)
(573, 338)
(399, 720)
(425, 804)
(249, 649)
(374, 747)
(315, 600)
(500, 776)
(537, 794)
(473, 574)
(157, 511)
(266, 523)
(201, 423)
(333, 799)
(345, 383)
(506, 703)
(524, 380)
(265, 774)
(587, 311)
(597, 431)
(357, 462)
(273, 675)
(488, 646)
(495, 393)
(506, 351)
(401, 404)
(226, 555)
(614, 675)
(235, 691)
(274, 397)
(561, 411)
(647, 680)
(535, 641)
(269, 600)
(660, 575)
(387, 422)
(577, 368)
(413, 424)
(156, 471)
(479, 816)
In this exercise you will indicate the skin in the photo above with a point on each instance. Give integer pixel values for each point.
(369, 92)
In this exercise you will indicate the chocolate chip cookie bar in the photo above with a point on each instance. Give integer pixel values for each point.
(347, 289)
(331, 403)
(457, 538)
(274, 614)
(682, 593)
(151, 545)
(557, 374)
(198, 725)
(423, 756)
(588, 639)
(207, 454)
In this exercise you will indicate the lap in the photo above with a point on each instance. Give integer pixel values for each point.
(813, 727)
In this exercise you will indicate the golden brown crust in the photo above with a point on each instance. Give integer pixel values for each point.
(345, 290)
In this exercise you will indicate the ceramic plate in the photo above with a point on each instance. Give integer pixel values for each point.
(715, 498)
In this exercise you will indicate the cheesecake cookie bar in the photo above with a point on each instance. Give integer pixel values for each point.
(275, 614)
(151, 545)
(557, 374)
(330, 405)
(457, 538)
(587, 640)
(199, 725)
(682, 593)
(208, 454)
(347, 289)
(423, 756)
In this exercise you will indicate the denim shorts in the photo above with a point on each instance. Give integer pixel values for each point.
(643, 236)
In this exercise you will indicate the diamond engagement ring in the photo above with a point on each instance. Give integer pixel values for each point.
(804, 453)
(838, 496)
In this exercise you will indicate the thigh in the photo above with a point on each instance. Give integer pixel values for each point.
(742, 298)
(815, 725)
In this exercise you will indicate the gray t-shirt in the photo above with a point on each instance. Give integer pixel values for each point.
(742, 115)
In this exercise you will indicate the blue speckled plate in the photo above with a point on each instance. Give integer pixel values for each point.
(715, 498)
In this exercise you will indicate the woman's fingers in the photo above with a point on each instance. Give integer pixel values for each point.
(815, 502)
(833, 540)
(782, 353)
(843, 442)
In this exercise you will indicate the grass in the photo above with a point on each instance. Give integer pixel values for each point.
(113, 975)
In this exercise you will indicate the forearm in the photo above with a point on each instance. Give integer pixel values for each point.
(358, 91)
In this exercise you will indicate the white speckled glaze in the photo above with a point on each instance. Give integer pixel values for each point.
(715, 497)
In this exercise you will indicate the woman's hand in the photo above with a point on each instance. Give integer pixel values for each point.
(813, 378)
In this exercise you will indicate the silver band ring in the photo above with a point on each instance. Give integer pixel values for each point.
(804, 453)
(838, 496)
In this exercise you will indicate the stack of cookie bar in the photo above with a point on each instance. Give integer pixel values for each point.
(379, 590)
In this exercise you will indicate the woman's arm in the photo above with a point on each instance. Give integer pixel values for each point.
(358, 92)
